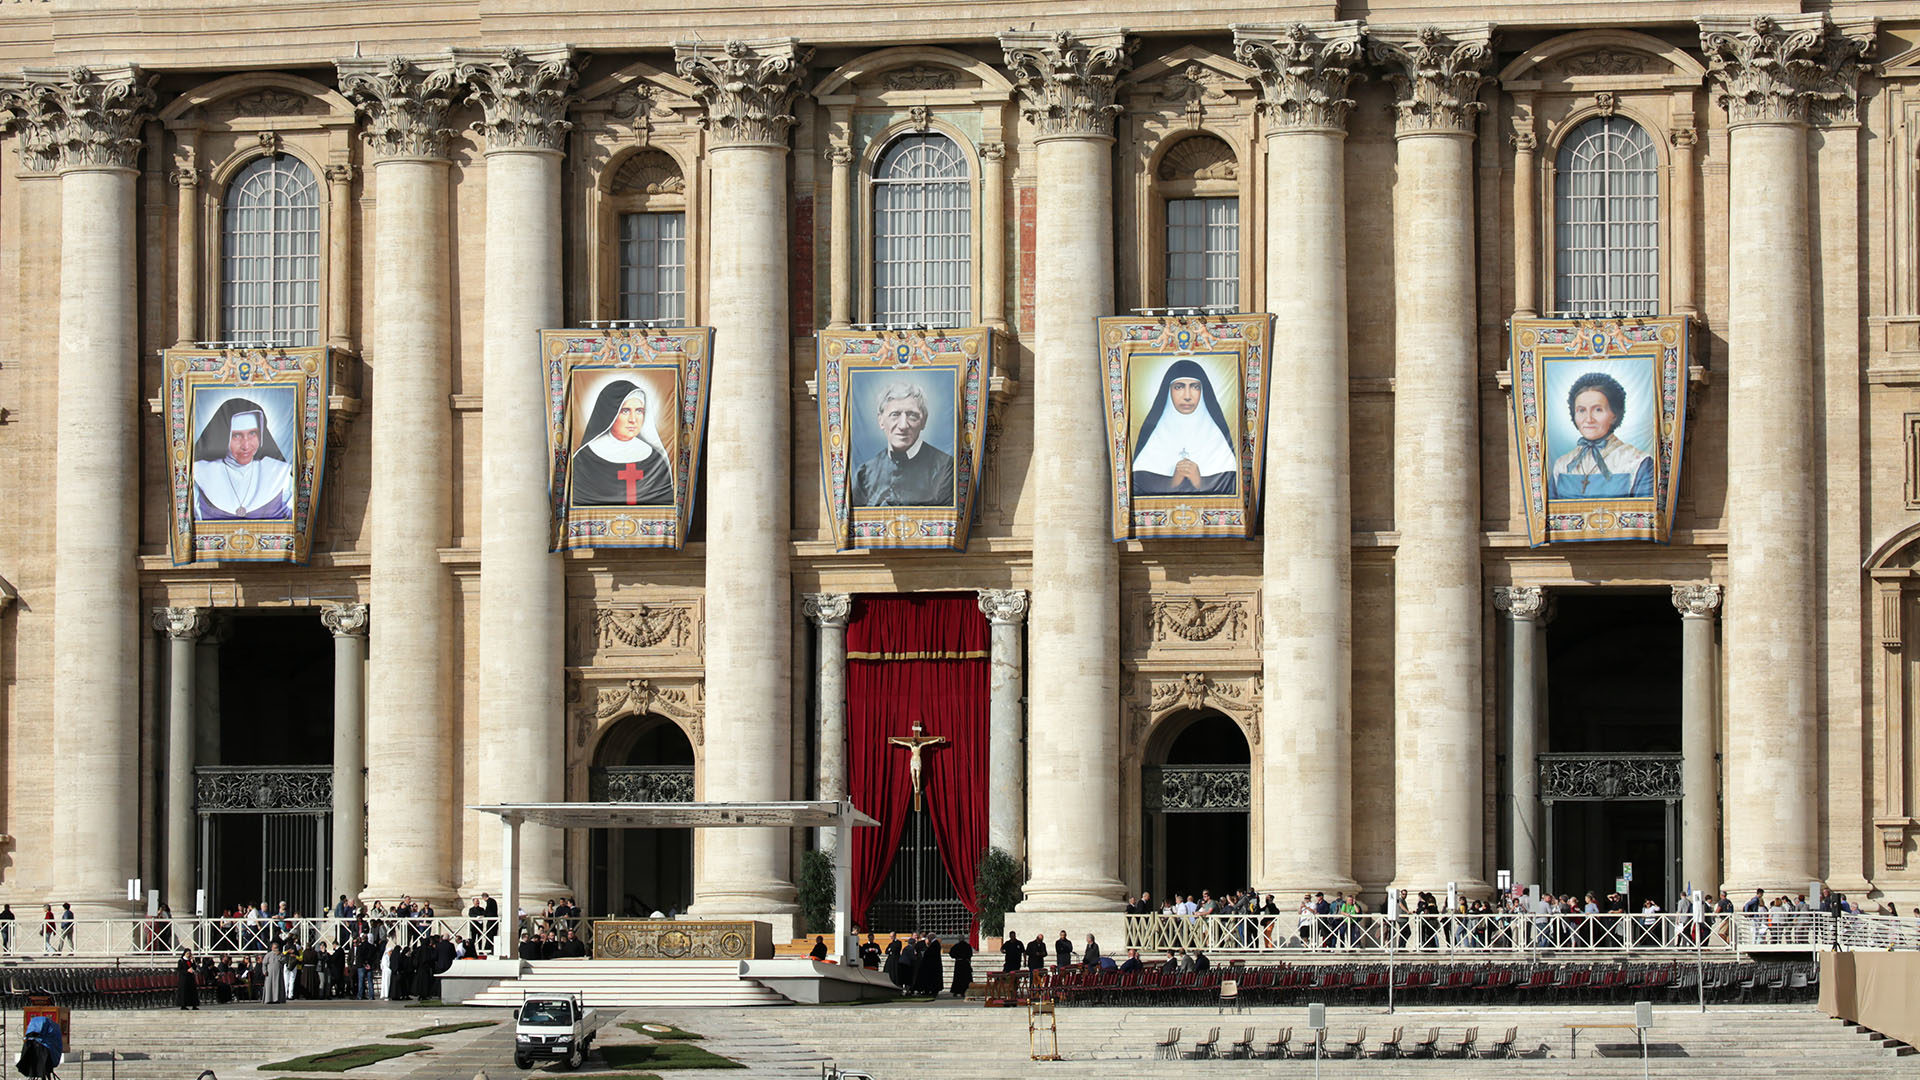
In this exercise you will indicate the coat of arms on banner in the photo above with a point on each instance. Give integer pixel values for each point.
(902, 434)
(246, 451)
(1186, 405)
(626, 418)
(1599, 418)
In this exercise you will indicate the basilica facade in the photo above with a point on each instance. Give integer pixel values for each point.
(319, 529)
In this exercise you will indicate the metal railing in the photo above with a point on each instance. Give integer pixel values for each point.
(162, 936)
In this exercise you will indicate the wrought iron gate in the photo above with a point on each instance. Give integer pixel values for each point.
(295, 806)
(917, 894)
(1614, 778)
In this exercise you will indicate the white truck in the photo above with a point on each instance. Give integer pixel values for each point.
(553, 1027)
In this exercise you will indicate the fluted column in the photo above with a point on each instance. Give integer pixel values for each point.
(1437, 75)
(183, 627)
(993, 234)
(410, 805)
(1699, 605)
(348, 625)
(748, 90)
(1527, 610)
(829, 612)
(840, 240)
(1306, 648)
(523, 97)
(1067, 88)
(1769, 73)
(87, 124)
(1006, 612)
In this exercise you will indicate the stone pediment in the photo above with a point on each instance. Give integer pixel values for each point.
(639, 95)
(1190, 71)
(256, 96)
(1573, 62)
(914, 71)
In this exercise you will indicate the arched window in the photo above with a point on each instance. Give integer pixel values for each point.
(270, 254)
(649, 194)
(1199, 180)
(1607, 221)
(922, 233)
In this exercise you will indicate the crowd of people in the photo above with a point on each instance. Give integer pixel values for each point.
(318, 970)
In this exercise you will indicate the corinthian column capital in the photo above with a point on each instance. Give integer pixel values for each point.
(747, 87)
(345, 620)
(1436, 73)
(1696, 601)
(403, 104)
(78, 118)
(523, 93)
(1068, 81)
(1304, 71)
(1786, 69)
(182, 623)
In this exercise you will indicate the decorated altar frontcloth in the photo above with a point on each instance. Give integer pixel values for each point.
(1599, 418)
(246, 451)
(626, 417)
(902, 434)
(1186, 409)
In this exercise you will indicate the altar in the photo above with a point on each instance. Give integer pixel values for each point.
(681, 939)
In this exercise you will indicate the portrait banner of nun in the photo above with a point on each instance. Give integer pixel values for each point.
(1186, 422)
(247, 440)
(903, 434)
(627, 413)
(1599, 408)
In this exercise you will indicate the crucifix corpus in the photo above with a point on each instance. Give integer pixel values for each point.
(915, 743)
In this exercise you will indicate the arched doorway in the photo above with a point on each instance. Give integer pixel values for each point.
(642, 758)
(1195, 795)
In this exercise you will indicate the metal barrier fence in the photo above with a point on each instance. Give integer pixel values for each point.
(157, 936)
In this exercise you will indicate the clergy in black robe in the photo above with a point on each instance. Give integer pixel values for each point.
(621, 461)
(186, 992)
(910, 471)
(892, 968)
(425, 986)
(400, 987)
(1037, 953)
(928, 971)
(1013, 950)
(962, 954)
(910, 965)
(870, 954)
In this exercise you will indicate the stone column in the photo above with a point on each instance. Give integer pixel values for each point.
(840, 241)
(748, 90)
(1699, 736)
(523, 97)
(993, 234)
(1527, 610)
(1067, 87)
(183, 627)
(339, 258)
(829, 612)
(1438, 815)
(1306, 646)
(1768, 73)
(187, 245)
(348, 624)
(410, 764)
(1006, 612)
(1682, 185)
(87, 125)
(1526, 212)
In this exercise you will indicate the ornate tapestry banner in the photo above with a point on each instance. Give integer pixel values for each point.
(902, 434)
(1186, 422)
(1599, 418)
(626, 421)
(246, 451)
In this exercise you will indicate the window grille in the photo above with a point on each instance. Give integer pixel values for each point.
(922, 233)
(653, 267)
(1203, 253)
(270, 254)
(1607, 221)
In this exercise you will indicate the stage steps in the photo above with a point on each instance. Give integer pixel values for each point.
(624, 983)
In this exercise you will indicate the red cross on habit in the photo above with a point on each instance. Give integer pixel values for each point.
(632, 474)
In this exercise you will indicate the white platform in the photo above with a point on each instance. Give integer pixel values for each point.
(617, 983)
(804, 980)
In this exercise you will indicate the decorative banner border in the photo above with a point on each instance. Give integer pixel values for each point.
(309, 374)
(1246, 337)
(568, 355)
(967, 353)
(1662, 345)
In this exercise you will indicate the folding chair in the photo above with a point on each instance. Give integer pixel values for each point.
(1229, 995)
(1278, 1047)
(1207, 1047)
(1170, 1047)
(1501, 1048)
(1315, 1043)
(1426, 1047)
(1351, 1047)
(1463, 1048)
(1391, 1047)
(1242, 1047)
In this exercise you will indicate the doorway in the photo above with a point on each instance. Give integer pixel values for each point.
(636, 872)
(1196, 796)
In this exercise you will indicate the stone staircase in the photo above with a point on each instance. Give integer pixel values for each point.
(635, 983)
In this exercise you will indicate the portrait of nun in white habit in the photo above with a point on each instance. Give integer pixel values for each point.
(1185, 445)
(621, 461)
(239, 471)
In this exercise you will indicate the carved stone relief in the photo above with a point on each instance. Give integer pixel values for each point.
(649, 172)
(919, 77)
(1149, 697)
(1193, 622)
(1605, 61)
(683, 700)
(270, 102)
(663, 628)
(1200, 157)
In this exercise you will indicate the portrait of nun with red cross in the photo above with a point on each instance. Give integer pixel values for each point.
(621, 460)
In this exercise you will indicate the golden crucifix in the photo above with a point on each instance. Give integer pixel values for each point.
(914, 744)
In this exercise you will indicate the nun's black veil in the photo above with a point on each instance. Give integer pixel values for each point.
(212, 443)
(606, 407)
(1184, 369)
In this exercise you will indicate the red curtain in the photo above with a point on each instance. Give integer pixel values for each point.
(919, 657)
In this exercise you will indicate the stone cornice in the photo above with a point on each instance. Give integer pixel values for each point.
(523, 94)
(1304, 71)
(746, 87)
(1068, 81)
(1788, 69)
(1436, 73)
(78, 118)
(403, 104)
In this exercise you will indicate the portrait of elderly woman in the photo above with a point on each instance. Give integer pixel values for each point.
(1185, 446)
(621, 461)
(239, 471)
(1601, 465)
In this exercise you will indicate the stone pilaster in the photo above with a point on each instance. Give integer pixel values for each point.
(1527, 608)
(182, 627)
(86, 125)
(1699, 606)
(523, 96)
(829, 612)
(1772, 75)
(1436, 75)
(993, 229)
(187, 244)
(1304, 71)
(1006, 612)
(348, 625)
(748, 89)
(840, 240)
(410, 804)
(339, 255)
(1066, 83)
